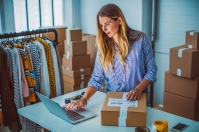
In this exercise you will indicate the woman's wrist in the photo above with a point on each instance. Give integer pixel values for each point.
(85, 100)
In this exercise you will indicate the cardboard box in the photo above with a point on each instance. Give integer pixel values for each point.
(91, 48)
(184, 62)
(181, 106)
(76, 73)
(192, 39)
(76, 62)
(74, 34)
(75, 81)
(136, 116)
(70, 88)
(61, 34)
(188, 88)
(75, 47)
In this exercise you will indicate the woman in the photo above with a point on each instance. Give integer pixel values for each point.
(124, 58)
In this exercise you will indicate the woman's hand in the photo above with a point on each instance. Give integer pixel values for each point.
(78, 103)
(134, 94)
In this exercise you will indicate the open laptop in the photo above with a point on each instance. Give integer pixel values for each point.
(71, 116)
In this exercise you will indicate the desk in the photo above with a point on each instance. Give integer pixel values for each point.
(40, 115)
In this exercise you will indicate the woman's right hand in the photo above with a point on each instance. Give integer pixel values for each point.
(78, 103)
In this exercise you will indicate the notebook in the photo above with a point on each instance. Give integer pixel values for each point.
(71, 116)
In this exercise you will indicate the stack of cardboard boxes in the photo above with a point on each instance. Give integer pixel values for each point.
(181, 89)
(75, 62)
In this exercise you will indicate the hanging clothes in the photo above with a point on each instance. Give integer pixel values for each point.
(24, 83)
(50, 67)
(44, 77)
(55, 64)
(25, 68)
(17, 95)
(36, 62)
(60, 69)
(9, 110)
(29, 72)
(17, 61)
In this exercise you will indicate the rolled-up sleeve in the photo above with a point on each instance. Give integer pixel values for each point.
(149, 61)
(97, 77)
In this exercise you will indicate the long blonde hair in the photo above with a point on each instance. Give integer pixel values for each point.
(106, 44)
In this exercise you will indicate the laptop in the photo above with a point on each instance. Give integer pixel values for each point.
(71, 116)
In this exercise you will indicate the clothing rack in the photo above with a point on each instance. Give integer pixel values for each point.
(25, 33)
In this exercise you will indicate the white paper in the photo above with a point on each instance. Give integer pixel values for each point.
(122, 102)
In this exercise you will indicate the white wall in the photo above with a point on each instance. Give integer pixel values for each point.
(68, 18)
(132, 10)
(175, 17)
(72, 13)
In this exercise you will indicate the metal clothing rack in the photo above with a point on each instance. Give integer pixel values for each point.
(25, 33)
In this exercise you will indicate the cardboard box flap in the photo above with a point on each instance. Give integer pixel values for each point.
(189, 50)
(141, 103)
(184, 62)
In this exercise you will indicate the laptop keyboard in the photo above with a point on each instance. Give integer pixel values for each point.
(73, 115)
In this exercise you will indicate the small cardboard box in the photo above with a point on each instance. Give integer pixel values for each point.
(188, 88)
(75, 81)
(136, 116)
(75, 47)
(70, 88)
(76, 73)
(74, 34)
(184, 62)
(76, 62)
(181, 106)
(192, 39)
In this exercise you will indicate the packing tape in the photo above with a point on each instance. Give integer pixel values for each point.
(68, 34)
(82, 77)
(192, 33)
(179, 72)
(180, 52)
(124, 95)
(123, 115)
(68, 42)
(82, 85)
(190, 46)
(160, 126)
(81, 70)
(68, 55)
(67, 68)
(123, 112)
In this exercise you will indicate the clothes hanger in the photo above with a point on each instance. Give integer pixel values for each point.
(8, 42)
(3, 42)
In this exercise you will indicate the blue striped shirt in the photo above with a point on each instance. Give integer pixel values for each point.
(140, 64)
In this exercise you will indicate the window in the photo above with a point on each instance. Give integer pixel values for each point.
(32, 14)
